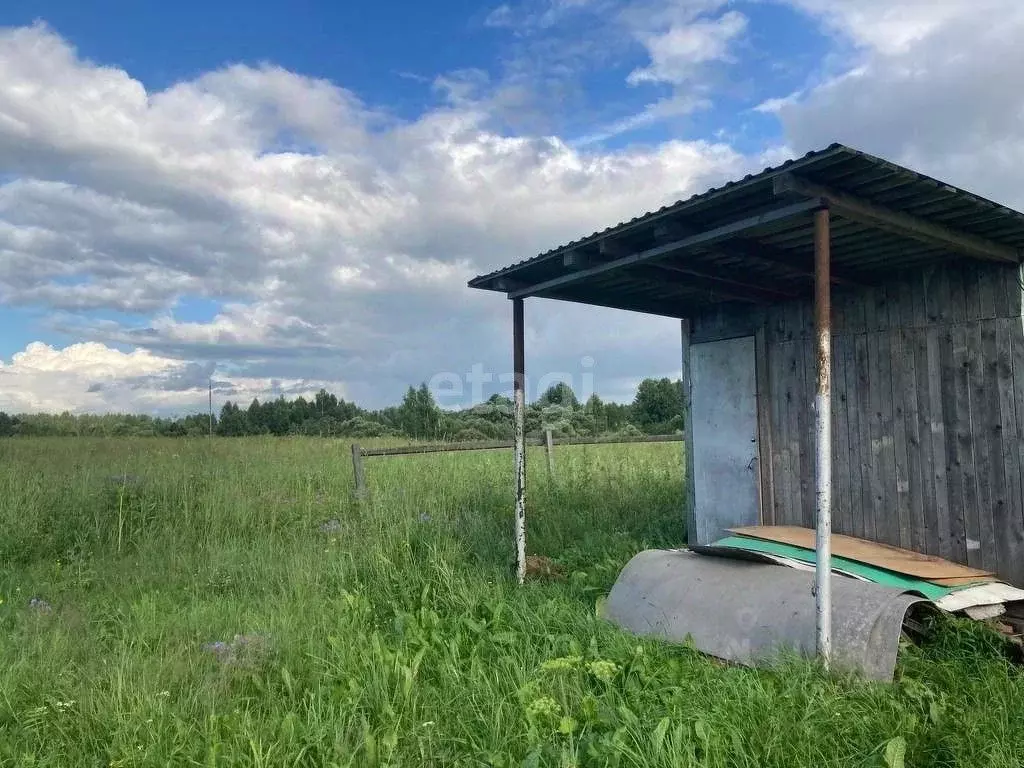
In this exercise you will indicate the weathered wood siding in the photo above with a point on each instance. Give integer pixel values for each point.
(928, 408)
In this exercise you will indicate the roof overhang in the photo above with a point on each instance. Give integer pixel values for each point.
(751, 241)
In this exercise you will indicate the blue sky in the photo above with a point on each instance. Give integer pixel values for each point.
(367, 46)
(390, 54)
(296, 193)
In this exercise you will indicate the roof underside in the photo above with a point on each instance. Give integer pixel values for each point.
(751, 241)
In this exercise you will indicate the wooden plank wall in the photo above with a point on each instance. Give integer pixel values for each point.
(928, 409)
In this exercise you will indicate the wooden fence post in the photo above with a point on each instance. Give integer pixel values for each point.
(357, 471)
(549, 448)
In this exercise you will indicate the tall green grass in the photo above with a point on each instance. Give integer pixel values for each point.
(399, 637)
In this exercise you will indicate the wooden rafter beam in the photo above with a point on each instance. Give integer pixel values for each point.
(768, 254)
(760, 252)
(707, 278)
(661, 307)
(725, 287)
(708, 237)
(905, 224)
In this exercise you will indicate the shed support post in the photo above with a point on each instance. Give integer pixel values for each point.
(823, 435)
(689, 493)
(519, 434)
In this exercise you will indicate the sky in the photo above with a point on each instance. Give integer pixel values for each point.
(282, 197)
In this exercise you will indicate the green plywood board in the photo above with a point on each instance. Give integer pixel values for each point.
(877, 575)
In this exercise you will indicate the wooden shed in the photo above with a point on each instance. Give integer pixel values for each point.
(919, 306)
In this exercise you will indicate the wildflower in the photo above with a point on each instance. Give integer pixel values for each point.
(562, 664)
(543, 708)
(603, 670)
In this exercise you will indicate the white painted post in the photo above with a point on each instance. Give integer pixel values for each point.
(823, 435)
(519, 434)
(549, 448)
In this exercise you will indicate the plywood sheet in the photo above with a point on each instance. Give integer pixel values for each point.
(879, 555)
(960, 581)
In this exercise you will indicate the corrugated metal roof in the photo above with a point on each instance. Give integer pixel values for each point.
(772, 255)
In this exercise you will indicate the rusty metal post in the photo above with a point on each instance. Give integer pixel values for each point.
(823, 434)
(689, 489)
(519, 434)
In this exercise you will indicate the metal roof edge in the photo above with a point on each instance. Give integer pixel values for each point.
(790, 165)
(671, 208)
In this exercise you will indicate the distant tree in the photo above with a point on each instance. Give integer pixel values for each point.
(418, 416)
(171, 428)
(658, 405)
(361, 426)
(617, 416)
(299, 410)
(233, 421)
(198, 424)
(594, 408)
(490, 428)
(556, 418)
(276, 416)
(41, 425)
(8, 425)
(500, 403)
(534, 420)
(656, 408)
(584, 424)
(254, 418)
(559, 394)
(497, 410)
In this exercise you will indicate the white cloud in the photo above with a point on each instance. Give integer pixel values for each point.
(92, 377)
(893, 27)
(341, 239)
(501, 17)
(776, 105)
(538, 14)
(678, 52)
(932, 84)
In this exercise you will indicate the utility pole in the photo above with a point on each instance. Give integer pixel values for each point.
(211, 406)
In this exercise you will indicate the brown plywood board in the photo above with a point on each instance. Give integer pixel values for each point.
(963, 580)
(879, 555)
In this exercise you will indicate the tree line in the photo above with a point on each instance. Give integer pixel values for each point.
(655, 409)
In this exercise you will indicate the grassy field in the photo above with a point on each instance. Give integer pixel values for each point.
(398, 637)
